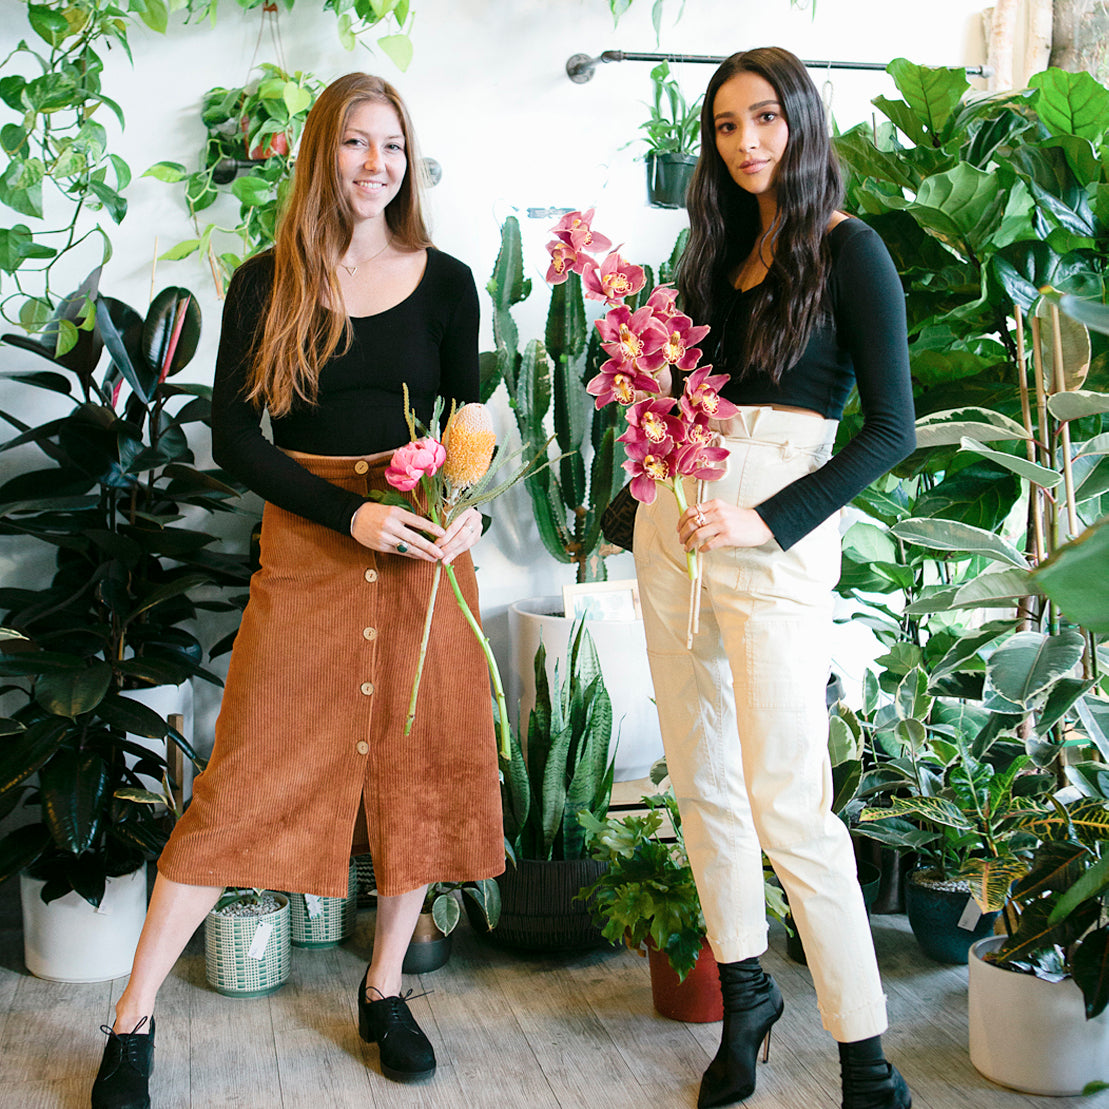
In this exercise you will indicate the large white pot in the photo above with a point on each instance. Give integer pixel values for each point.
(1033, 1035)
(68, 940)
(622, 648)
(166, 700)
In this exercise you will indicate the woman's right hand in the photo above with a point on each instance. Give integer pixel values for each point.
(395, 530)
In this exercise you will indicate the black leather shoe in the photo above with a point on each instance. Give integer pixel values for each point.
(752, 1003)
(874, 1085)
(124, 1077)
(406, 1053)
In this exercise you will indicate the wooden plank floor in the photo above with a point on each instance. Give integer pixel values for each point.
(510, 1033)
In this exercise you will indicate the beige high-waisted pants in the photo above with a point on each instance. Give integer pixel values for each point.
(745, 725)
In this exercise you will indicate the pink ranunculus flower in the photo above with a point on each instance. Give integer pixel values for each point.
(613, 280)
(619, 381)
(634, 337)
(574, 230)
(414, 461)
(700, 395)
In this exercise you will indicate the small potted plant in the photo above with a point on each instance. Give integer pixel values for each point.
(324, 921)
(248, 943)
(673, 136)
(647, 897)
(430, 946)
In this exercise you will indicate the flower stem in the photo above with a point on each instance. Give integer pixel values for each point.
(498, 689)
(690, 556)
(423, 648)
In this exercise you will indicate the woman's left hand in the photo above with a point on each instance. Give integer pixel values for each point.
(716, 523)
(461, 535)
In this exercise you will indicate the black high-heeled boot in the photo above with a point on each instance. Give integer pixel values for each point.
(406, 1053)
(752, 1003)
(869, 1081)
(123, 1081)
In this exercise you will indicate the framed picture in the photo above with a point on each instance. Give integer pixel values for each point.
(602, 600)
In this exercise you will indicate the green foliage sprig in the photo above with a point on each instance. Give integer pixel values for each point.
(673, 126)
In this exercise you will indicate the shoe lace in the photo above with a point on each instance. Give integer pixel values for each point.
(397, 1007)
(130, 1046)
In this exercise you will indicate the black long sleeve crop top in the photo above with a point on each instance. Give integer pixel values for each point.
(428, 341)
(864, 343)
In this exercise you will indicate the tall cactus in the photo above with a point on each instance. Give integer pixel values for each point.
(568, 500)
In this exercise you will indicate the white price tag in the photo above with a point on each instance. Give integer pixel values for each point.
(971, 915)
(261, 938)
(314, 904)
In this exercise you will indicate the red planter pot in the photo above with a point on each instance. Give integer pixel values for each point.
(697, 1000)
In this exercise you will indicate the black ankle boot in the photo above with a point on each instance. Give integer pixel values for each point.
(406, 1053)
(869, 1081)
(752, 1003)
(124, 1077)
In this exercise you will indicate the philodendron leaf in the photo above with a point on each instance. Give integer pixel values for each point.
(1071, 103)
(941, 429)
(1077, 404)
(1025, 666)
(1031, 471)
(951, 535)
(1075, 578)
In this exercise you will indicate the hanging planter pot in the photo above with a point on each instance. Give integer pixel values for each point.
(539, 906)
(428, 949)
(944, 917)
(324, 921)
(1030, 1034)
(69, 940)
(668, 178)
(696, 999)
(248, 943)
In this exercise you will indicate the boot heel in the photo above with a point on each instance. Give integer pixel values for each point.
(766, 1045)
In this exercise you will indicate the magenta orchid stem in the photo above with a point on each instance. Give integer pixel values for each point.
(690, 556)
(423, 648)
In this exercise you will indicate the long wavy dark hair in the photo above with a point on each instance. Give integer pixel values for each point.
(724, 222)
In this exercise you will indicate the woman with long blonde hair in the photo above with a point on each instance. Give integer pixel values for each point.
(324, 332)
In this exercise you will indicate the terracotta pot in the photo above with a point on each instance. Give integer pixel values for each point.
(697, 999)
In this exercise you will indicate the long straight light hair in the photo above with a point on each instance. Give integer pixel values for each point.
(305, 322)
(724, 221)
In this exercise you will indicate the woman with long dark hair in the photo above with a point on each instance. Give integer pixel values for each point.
(804, 303)
(310, 758)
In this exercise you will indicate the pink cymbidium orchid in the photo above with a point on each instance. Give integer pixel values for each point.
(650, 422)
(613, 280)
(700, 461)
(574, 230)
(647, 468)
(680, 348)
(635, 337)
(619, 381)
(701, 395)
(661, 302)
(564, 261)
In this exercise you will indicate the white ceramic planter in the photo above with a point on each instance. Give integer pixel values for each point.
(165, 700)
(1032, 1035)
(622, 648)
(70, 941)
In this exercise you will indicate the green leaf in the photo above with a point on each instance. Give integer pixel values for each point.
(22, 753)
(170, 172)
(1030, 471)
(932, 93)
(74, 788)
(950, 535)
(962, 207)
(165, 345)
(74, 692)
(297, 98)
(252, 191)
(1071, 103)
(1075, 578)
(988, 590)
(949, 427)
(398, 48)
(1025, 666)
(155, 14)
(48, 23)
(1077, 403)
(181, 250)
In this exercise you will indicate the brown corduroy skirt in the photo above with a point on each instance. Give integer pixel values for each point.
(310, 755)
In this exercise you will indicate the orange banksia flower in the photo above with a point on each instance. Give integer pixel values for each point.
(469, 441)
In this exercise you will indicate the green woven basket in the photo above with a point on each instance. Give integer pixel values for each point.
(324, 921)
(248, 956)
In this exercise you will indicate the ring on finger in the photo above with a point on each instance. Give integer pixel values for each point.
(700, 518)
(402, 548)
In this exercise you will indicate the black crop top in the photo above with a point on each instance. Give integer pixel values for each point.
(428, 341)
(865, 343)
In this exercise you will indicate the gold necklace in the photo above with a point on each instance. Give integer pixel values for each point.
(352, 270)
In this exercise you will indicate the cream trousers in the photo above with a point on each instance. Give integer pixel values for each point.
(744, 722)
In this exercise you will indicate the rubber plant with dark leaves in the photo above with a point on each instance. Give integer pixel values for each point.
(115, 506)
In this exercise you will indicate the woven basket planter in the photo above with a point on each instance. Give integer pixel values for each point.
(538, 907)
(248, 956)
(324, 921)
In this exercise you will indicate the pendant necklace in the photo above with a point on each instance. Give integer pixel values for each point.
(352, 270)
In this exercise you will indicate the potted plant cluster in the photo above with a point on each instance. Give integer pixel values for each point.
(430, 946)
(566, 770)
(114, 509)
(672, 133)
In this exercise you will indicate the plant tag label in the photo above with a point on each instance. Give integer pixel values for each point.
(257, 948)
(971, 915)
(314, 904)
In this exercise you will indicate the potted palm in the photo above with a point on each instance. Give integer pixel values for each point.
(115, 508)
(672, 132)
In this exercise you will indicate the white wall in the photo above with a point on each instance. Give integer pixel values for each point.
(492, 104)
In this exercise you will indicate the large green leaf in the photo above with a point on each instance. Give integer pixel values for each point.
(1075, 578)
(1030, 471)
(950, 535)
(75, 788)
(1025, 666)
(121, 326)
(23, 752)
(939, 429)
(933, 93)
(962, 207)
(171, 330)
(1071, 103)
(74, 692)
(1077, 404)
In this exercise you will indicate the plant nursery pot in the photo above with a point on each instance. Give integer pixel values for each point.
(697, 999)
(324, 921)
(248, 956)
(428, 949)
(621, 647)
(934, 913)
(70, 941)
(538, 907)
(1032, 1035)
(668, 177)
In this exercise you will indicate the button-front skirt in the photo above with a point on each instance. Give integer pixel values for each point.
(310, 754)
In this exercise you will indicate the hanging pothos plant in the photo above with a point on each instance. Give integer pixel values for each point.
(252, 132)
